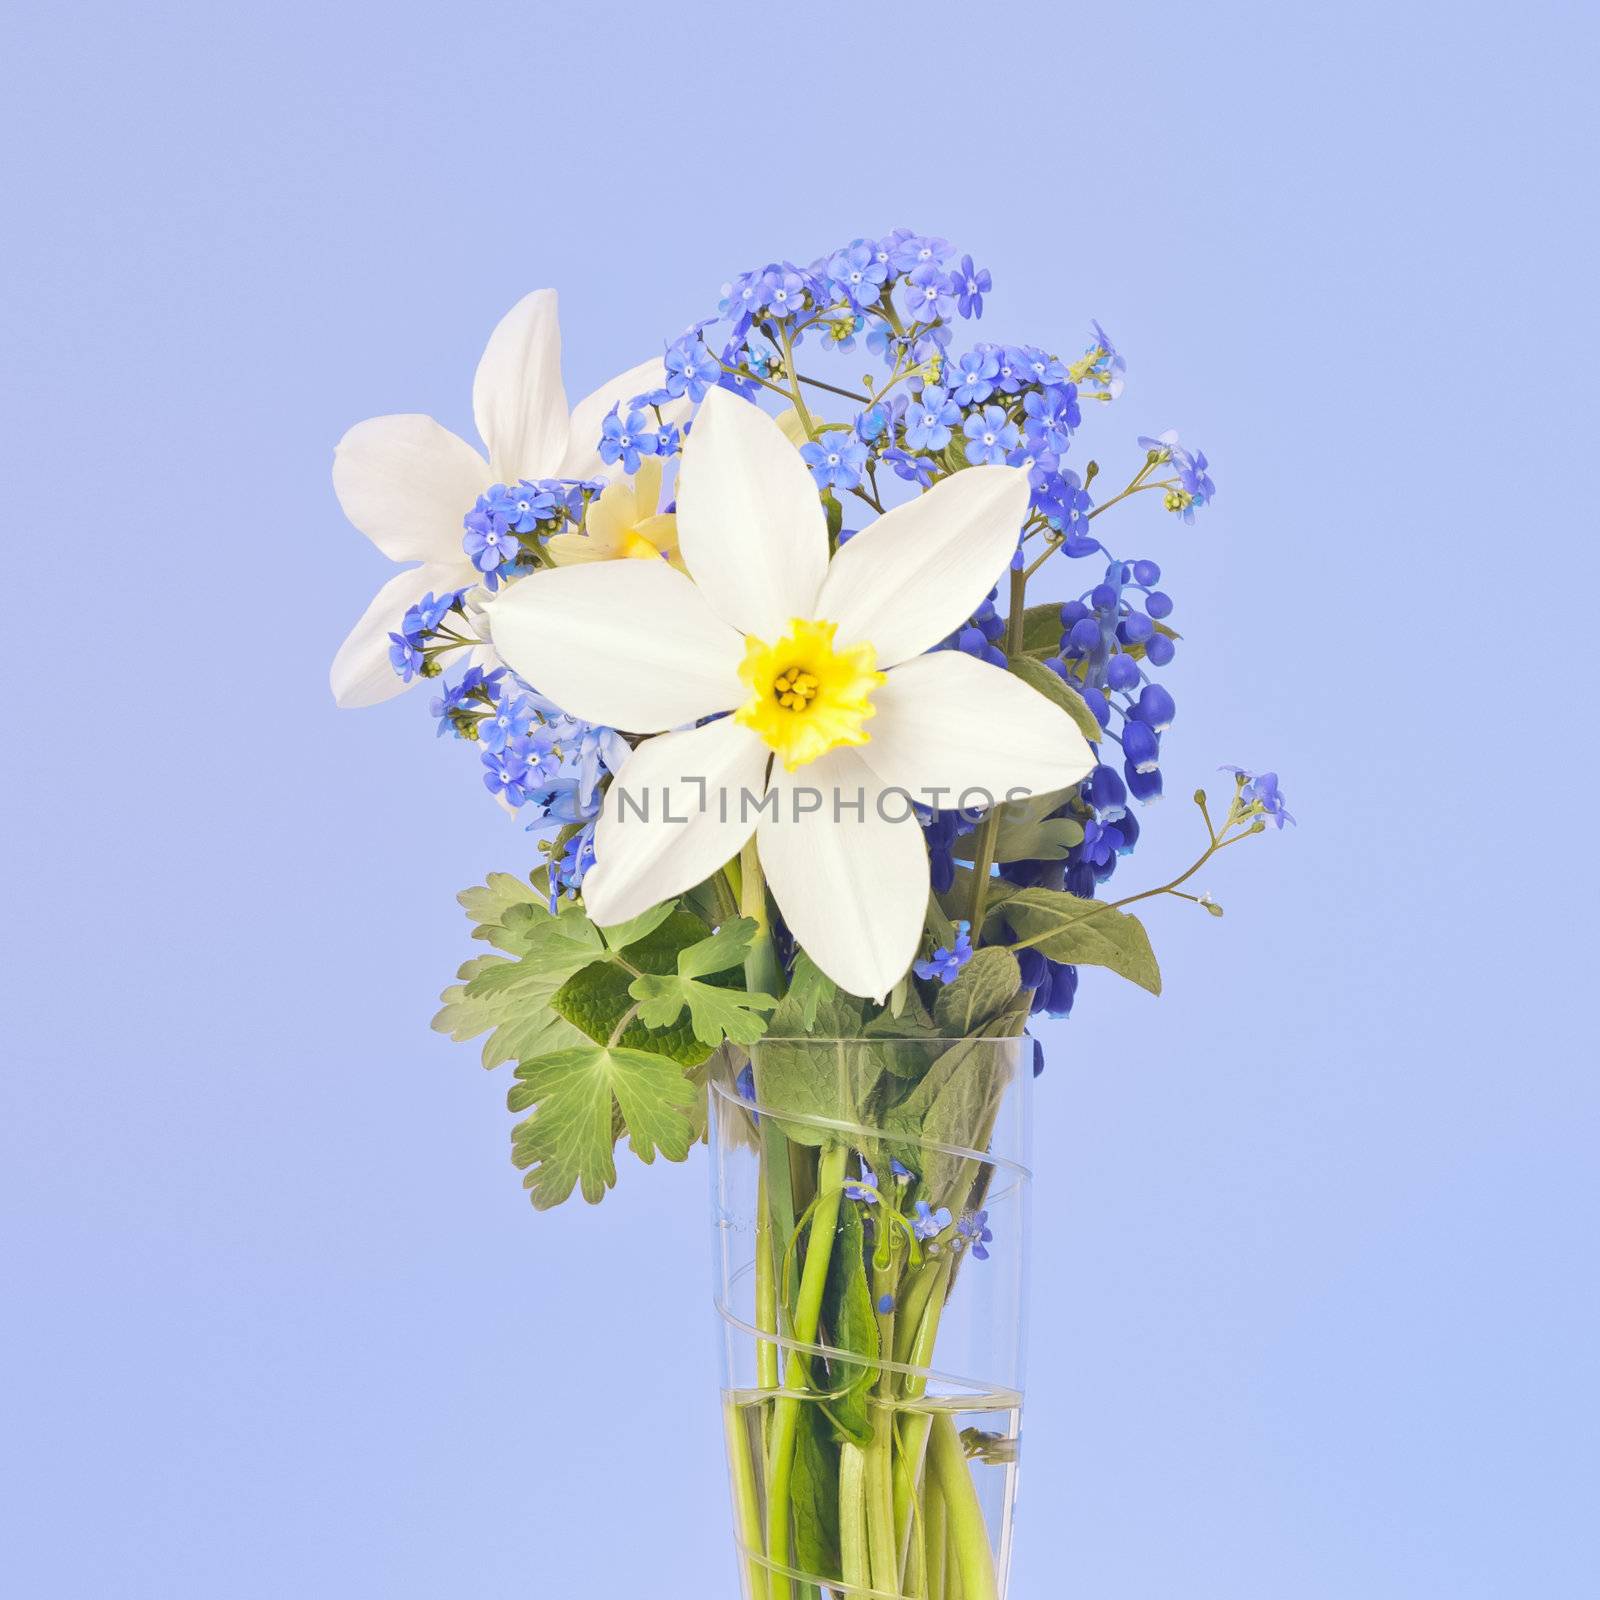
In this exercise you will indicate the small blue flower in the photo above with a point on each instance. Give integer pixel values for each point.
(625, 439)
(907, 251)
(1155, 706)
(525, 506)
(505, 774)
(691, 370)
(972, 284)
(405, 656)
(885, 1304)
(866, 1191)
(928, 1223)
(928, 294)
(783, 290)
(990, 437)
(976, 1234)
(929, 419)
(1042, 368)
(914, 469)
(1049, 416)
(947, 961)
(1261, 788)
(568, 869)
(511, 718)
(858, 272)
(837, 459)
(900, 1174)
(489, 542)
(975, 376)
(1141, 746)
(1106, 372)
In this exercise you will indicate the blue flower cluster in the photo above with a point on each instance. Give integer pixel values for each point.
(508, 518)
(410, 650)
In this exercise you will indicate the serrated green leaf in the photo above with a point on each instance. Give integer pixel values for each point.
(568, 1141)
(1065, 927)
(597, 999)
(1038, 676)
(985, 987)
(511, 1003)
(489, 901)
(715, 1013)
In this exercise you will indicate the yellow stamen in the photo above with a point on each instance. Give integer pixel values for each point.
(807, 697)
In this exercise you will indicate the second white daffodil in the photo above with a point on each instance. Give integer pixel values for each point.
(821, 663)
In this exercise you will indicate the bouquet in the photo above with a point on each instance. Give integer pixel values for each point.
(825, 798)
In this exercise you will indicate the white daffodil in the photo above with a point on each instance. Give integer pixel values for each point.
(407, 483)
(821, 664)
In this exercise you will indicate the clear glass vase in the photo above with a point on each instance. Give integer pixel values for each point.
(870, 1221)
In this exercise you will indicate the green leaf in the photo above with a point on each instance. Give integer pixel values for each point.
(815, 1006)
(814, 1495)
(1028, 831)
(725, 948)
(853, 1325)
(596, 1000)
(486, 903)
(955, 1104)
(620, 935)
(568, 1141)
(983, 989)
(511, 1007)
(1083, 932)
(1042, 630)
(1038, 676)
(715, 1013)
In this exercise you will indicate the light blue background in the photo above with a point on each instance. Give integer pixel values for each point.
(1316, 1294)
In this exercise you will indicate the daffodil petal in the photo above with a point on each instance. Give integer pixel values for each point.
(406, 483)
(361, 674)
(853, 888)
(518, 400)
(750, 526)
(945, 721)
(688, 786)
(630, 644)
(583, 441)
(915, 575)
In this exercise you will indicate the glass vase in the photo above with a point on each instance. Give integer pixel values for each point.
(870, 1222)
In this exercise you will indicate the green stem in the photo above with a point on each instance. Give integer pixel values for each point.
(1220, 843)
(747, 1503)
(914, 1441)
(882, 1546)
(933, 1541)
(854, 1561)
(807, 1316)
(801, 409)
(766, 1290)
(969, 1534)
(989, 829)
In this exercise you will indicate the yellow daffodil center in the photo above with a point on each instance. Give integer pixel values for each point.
(806, 696)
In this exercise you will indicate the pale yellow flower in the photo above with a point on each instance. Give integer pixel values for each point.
(623, 524)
